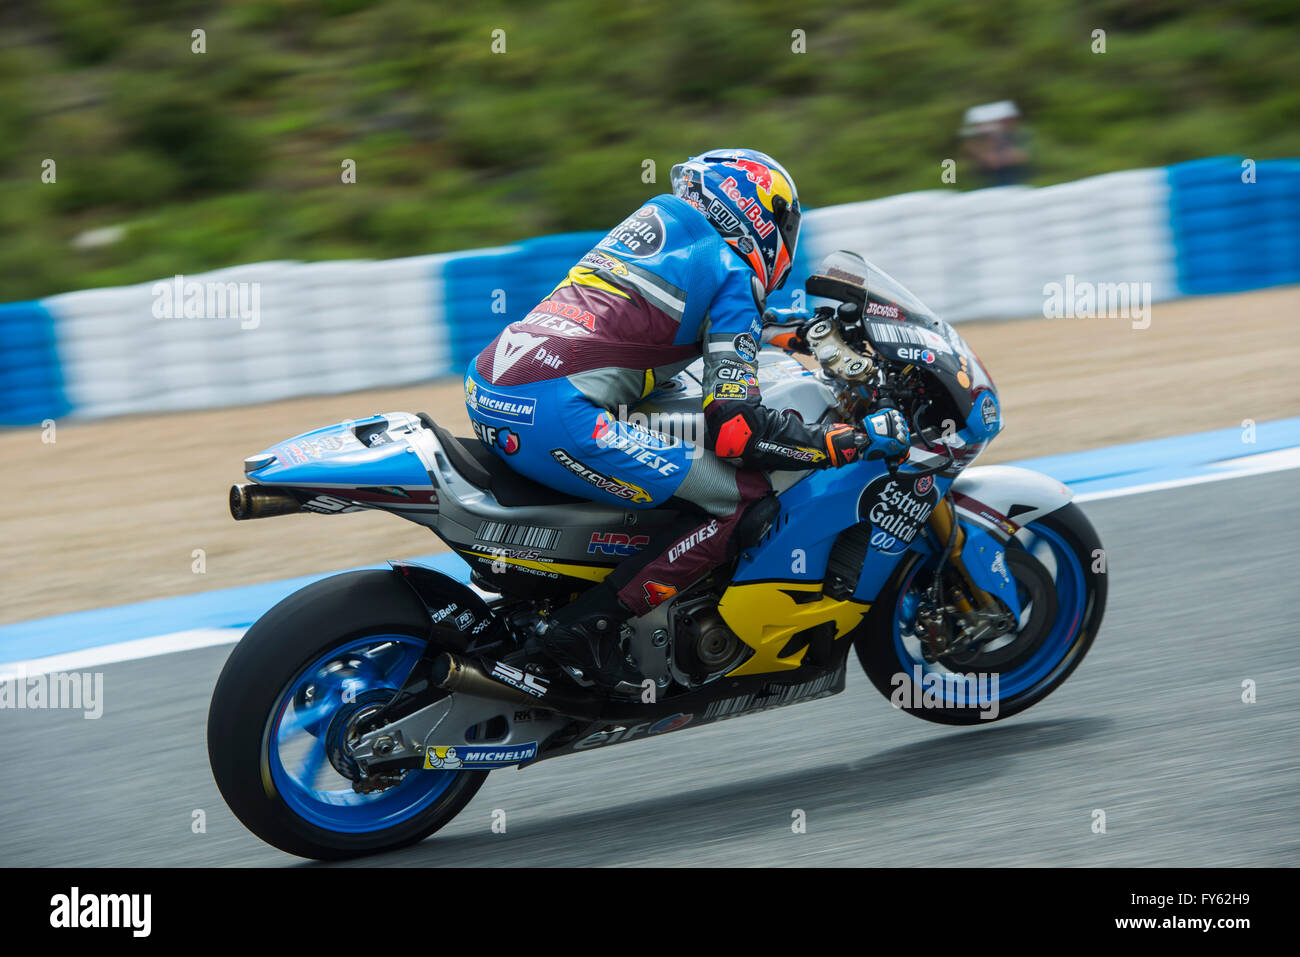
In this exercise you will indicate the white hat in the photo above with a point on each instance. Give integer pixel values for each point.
(986, 113)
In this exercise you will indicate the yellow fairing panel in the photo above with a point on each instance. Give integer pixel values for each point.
(765, 616)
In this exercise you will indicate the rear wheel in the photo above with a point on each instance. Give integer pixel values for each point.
(286, 702)
(1062, 599)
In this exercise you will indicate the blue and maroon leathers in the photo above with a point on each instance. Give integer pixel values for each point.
(551, 393)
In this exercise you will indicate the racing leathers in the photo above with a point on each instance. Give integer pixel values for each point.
(551, 395)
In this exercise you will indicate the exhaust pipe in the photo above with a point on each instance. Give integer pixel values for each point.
(454, 673)
(258, 501)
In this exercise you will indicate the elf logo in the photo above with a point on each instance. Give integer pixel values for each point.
(916, 355)
(501, 438)
(617, 735)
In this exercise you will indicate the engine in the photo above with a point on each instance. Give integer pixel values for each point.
(703, 645)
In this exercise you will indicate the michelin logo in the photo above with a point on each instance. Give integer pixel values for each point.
(470, 757)
(518, 410)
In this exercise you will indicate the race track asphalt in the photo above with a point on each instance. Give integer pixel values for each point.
(1151, 730)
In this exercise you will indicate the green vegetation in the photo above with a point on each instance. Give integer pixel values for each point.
(234, 155)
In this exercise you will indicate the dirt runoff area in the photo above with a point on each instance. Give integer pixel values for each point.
(129, 509)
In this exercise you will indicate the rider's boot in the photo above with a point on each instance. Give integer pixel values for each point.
(584, 634)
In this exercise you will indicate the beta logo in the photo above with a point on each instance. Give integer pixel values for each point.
(616, 543)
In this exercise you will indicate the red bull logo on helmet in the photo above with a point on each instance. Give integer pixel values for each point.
(755, 172)
(751, 208)
(767, 181)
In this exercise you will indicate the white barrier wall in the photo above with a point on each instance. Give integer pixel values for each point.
(1216, 225)
(988, 254)
(314, 328)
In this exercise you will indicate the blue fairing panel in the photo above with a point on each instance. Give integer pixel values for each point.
(986, 560)
(335, 457)
(813, 512)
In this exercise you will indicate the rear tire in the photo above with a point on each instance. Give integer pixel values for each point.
(1065, 539)
(249, 710)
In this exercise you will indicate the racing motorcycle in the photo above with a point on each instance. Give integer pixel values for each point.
(363, 712)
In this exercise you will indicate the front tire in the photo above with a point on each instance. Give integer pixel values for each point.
(1030, 664)
(282, 700)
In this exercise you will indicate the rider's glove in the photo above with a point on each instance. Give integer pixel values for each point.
(886, 436)
(783, 329)
(841, 445)
(777, 316)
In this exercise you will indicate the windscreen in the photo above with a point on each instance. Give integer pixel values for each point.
(901, 327)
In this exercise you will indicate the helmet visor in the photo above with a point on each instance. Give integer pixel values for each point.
(787, 221)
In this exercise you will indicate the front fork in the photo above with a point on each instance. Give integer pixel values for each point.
(967, 614)
(943, 521)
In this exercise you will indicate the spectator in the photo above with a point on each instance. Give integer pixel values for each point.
(994, 143)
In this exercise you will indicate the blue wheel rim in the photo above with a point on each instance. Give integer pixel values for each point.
(364, 670)
(1055, 651)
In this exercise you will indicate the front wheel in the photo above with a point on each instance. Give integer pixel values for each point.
(1061, 584)
(283, 707)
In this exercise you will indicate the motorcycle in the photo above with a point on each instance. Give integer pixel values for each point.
(363, 712)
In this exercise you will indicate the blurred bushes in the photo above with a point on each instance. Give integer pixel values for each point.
(234, 155)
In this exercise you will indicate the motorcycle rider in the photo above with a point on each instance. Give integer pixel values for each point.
(685, 275)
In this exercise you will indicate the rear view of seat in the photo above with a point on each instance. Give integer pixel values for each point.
(484, 470)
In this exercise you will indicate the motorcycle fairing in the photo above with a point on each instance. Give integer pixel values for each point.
(338, 457)
(1014, 495)
(457, 610)
(780, 620)
(985, 559)
(901, 327)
